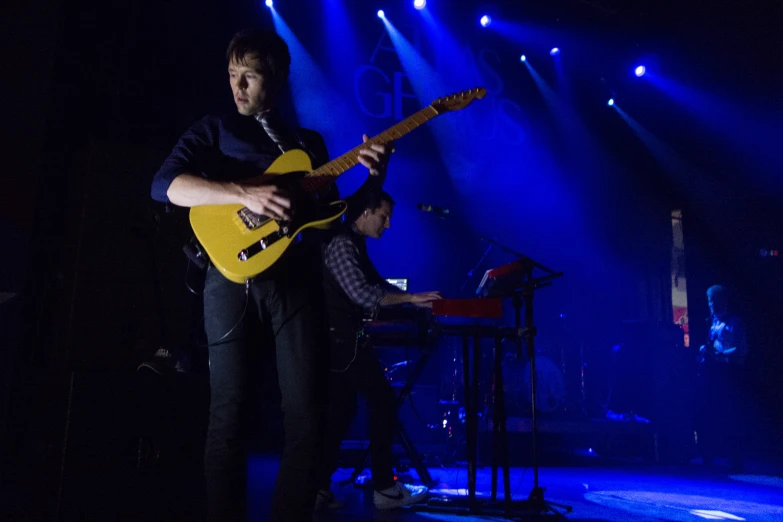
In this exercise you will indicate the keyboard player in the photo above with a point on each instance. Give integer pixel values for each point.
(354, 288)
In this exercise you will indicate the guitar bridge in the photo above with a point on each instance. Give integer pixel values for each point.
(250, 219)
(265, 242)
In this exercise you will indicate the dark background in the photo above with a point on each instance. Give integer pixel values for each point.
(95, 94)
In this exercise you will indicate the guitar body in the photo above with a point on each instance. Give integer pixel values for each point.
(241, 244)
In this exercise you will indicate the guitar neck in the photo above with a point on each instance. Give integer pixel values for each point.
(351, 158)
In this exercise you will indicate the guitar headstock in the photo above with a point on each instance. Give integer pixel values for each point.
(460, 100)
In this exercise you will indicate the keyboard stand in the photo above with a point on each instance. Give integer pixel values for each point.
(402, 434)
(471, 368)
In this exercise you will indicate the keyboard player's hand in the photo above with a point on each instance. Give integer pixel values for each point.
(425, 299)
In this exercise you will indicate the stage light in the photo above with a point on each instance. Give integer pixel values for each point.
(639, 71)
(269, 3)
(380, 13)
(485, 21)
(610, 102)
(522, 58)
(419, 4)
(555, 51)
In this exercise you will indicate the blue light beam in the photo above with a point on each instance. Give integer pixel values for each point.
(680, 172)
(316, 102)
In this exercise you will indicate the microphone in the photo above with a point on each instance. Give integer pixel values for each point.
(395, 367)
(401, 363)
(442, 212)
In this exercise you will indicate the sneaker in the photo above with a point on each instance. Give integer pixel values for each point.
(398, 495)
(326, 500)
(163, 361)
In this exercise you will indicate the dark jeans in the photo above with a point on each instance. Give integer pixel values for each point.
(719, 420)
(289, 308)
(364, 376)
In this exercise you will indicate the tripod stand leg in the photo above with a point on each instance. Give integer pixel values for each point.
(475, 389)
(500, 421)
(497, 385)
(563, 508)
(404, 393)
(495, 437)
(536, 497)
(471, 420)
(359, 467)
(413, 454)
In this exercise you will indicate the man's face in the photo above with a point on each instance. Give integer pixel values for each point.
(375, 222)
(717, 305)
(252, 91)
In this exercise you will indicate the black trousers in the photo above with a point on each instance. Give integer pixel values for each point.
(290, 310)
(721, 397)
(364, 376)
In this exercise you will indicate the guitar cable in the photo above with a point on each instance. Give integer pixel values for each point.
(187, 280)
(244, 311)
(359, 336)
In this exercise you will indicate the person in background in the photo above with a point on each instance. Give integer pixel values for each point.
(720, 389)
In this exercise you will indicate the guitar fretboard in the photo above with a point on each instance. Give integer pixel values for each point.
(351, 158)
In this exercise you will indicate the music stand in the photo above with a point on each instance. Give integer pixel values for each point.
(515, 284)
(516, 281)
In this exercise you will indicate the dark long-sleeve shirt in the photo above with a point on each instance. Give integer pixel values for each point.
(347, 260)
(227, 148)
(234, 147)
(728, 341)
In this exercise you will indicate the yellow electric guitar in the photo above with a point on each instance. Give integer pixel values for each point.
(242, 244)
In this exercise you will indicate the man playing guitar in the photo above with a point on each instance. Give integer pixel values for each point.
(218, 161)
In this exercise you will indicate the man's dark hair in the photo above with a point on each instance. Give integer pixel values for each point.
(268, 46)
(366, 200)
(374, 198)
(717, 292)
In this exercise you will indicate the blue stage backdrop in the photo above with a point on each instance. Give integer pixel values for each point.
(520, 166)
(542, 164)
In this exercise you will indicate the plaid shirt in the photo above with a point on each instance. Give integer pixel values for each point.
(346, 258)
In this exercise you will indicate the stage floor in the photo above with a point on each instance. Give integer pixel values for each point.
(688, 493)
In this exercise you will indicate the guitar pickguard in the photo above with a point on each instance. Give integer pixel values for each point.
(314, 213)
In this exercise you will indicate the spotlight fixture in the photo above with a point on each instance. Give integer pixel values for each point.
(522, 58)
(485, 21)
(380, 13)
(269, 3)
(555, 51)
(639, 71)
(610, 102)
(419, 4)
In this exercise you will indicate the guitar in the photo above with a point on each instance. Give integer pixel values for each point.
(243, 244)
(723, 345)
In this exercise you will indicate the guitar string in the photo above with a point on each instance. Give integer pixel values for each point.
(349, 157)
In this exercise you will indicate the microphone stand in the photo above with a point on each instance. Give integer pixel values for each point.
(522, 257)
